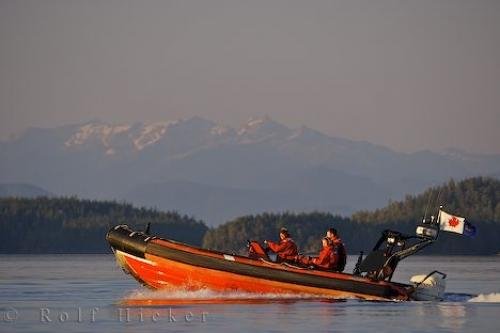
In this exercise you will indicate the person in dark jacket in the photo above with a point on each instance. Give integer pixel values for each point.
(338, 250)
(286, 249)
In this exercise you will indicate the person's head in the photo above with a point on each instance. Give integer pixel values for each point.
(326, 241)
(284, 233)
(331, 233)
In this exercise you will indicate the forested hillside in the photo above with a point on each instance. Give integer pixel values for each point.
(70, 225)
(475, 198)
(306, 229)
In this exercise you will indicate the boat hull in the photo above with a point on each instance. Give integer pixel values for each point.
(163, 264)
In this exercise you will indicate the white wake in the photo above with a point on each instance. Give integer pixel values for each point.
(207, 294)
(486, 298)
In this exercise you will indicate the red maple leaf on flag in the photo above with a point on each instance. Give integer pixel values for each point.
(453, 222)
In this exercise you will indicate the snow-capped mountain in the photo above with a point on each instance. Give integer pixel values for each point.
(105, 136)
(193, 163)
(193, 132)
(262, 129)
(175, 136)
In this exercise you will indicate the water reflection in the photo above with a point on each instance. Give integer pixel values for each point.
(266, 311)
(453, 315)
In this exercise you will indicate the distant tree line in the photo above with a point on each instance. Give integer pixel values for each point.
(477, 199)
(71, 225)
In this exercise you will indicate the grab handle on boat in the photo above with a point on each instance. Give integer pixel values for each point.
(428, 276)
(357, 271)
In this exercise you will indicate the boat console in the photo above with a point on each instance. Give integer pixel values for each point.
(390, 249)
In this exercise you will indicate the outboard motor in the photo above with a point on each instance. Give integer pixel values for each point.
(428, 287)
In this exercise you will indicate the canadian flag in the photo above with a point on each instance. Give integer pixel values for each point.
(451, 223)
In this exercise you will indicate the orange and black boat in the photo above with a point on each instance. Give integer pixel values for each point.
(160, 264)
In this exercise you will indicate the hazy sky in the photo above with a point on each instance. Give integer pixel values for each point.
(410, 75)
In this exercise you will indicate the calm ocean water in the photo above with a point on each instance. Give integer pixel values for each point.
(87, 293)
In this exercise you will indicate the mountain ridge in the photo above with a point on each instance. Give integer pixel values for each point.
(105, 161)
(23, 190)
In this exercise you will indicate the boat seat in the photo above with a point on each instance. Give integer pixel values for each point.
(373, 262)
(256, 251)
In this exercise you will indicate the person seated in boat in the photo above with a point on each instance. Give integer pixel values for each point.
(325, 260)
(285, 249)
(338, 250)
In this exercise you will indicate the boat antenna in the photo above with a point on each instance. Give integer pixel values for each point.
(437, 203)
(427, 207)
